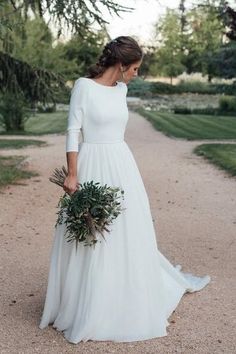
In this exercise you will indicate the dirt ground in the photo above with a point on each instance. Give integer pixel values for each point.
(194, 207)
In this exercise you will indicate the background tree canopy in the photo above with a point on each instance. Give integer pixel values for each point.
(26, 45)
(196, 39)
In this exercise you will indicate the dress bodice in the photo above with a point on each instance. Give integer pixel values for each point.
(100, 112)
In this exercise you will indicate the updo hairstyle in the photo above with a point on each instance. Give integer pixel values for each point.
(122, 49)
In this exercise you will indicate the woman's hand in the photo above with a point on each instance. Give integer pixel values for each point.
(70, 184)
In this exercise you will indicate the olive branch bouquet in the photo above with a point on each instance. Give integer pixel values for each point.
(89, 210)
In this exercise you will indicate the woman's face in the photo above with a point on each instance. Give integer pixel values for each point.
(132, 71)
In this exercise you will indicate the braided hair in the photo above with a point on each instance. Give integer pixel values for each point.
(122, 49)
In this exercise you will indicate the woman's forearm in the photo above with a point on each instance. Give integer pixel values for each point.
(71, 157)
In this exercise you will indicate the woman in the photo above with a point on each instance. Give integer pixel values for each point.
(124, 289)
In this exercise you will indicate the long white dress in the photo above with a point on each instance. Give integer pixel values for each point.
(123, 289)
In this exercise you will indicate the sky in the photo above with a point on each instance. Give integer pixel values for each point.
(139, 22)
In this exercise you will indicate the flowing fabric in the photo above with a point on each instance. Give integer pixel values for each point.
(123, 289)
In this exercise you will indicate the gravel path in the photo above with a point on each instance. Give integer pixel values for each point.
(194, 207)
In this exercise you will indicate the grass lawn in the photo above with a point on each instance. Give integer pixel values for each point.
(19, 143)
(197, 127)
(222, 155)
(11, 170)
(43, 123)
(47, 123)
(190, 126)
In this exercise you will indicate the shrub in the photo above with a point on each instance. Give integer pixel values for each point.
(195, 87)
(225, 89)
(186, 110)
(207, 88)
(227, 104)
(14, 111)
(141, 88)
(163, 88)
(182, 110)
(205, 111)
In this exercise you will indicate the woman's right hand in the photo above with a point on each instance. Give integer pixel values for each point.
(70, 184)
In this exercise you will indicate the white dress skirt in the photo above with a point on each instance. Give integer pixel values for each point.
(123, 289)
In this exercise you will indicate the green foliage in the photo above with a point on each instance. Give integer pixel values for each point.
(182, 110)
(14, 112)
(206, 35)
(19, 143)
(139, 87)
(42, 55)
(24, 48)
(19, 78)
(76, 16)
(221, 155)
(225, 88)
(147, 89)
(227, 104)
(228, 15)
(205, 111)
(62, 95)
(195, 86)
(189, 39)
(17, 46)
(89, 211)
(224, 61)
(163, 88)
(169, 54)
(207, 88)
(148, 66)
(80, 53)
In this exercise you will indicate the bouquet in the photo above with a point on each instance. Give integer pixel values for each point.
(89, 210)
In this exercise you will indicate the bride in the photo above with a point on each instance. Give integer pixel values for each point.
(124, 289)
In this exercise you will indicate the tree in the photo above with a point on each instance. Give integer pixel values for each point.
(183, 26)
(224, 60)
(14, 70)
(206, 37)
(228, 15)
(77, 16)
(149, 62)
(169, 53)
(82, 53)
(21, 78)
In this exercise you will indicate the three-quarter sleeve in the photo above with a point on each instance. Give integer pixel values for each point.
(75, 116)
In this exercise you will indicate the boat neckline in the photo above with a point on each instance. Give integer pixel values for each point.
(97, 83)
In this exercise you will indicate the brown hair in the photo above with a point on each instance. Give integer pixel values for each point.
(122, 49)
